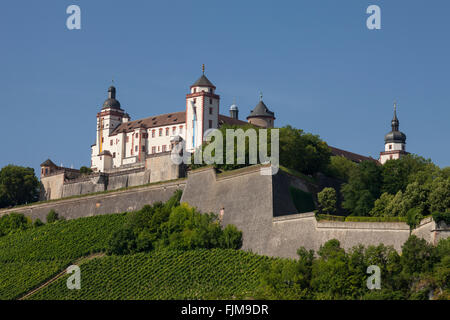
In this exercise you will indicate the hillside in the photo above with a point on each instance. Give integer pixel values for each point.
(30, 258)
(165, 274)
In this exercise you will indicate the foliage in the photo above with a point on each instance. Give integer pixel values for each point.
(379, 208)
(172, 225)
(327, 200)
(53, 216)
(413, 217)
(303, 152)
(18, 185)
(444, 216)
(336, 274)
(303, 201)
(362, 189)
(340, 167)
(85, 170)
(375, 219)
(439, 196)
(13, 222)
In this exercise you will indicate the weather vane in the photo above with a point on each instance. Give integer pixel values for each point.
(260, 96)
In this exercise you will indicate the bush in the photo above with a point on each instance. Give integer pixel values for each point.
(173, 225)
(445, 216)
(38, 223)
(13, 222)
(327, 201)
(52, 216)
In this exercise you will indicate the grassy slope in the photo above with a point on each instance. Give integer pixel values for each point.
(29, 258)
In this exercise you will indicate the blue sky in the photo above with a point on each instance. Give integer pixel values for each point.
(320, 69)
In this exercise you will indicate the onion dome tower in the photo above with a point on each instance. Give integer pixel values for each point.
(394, 141)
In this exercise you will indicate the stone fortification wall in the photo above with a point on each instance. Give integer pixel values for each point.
(259, 205)
(114, 202)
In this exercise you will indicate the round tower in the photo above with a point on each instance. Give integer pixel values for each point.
(261, 116)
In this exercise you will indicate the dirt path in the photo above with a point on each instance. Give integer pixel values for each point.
(62, 273)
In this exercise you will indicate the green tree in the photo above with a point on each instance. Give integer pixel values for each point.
(379, 208)
(439, 196)
(18, 185)
(340, 167)
(52, 216)
(85, 170)
(362, 189)
(327, 200)
(13, 222)
(417, 256)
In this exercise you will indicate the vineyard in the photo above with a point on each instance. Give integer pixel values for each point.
(33, 256)
(165, 274)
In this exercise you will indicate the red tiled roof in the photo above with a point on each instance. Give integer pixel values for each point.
(350, 155)
(231, 121)
(151, 122)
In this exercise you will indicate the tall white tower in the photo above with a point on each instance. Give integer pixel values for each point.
(394, 141)
(202, 111)
(110, 117)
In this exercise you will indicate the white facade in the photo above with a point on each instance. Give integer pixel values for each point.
(122, 142)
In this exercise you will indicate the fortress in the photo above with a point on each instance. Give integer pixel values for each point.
(132, 167)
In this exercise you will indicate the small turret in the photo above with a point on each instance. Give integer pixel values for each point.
(234, 111)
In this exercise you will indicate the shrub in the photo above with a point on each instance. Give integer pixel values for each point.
(327, 200)
(52, 216)
(13, 222)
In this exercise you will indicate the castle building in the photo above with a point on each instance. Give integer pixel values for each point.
(122, 143)
(394, 141)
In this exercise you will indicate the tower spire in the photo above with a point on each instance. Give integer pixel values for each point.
(203, 68)
(395, 123)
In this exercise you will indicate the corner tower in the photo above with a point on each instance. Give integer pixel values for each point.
(394, 141)
(202, 111)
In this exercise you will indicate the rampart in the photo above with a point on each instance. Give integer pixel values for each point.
(259, 205)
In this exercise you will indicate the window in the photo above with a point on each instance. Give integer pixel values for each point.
(174, 129)
(160, 132)
(195, 90)
(210, 101)
(159, 148)
(114, 155)
(137, 135)
(210, 90)
(403, 147)
(111, 143)
(103, 139)
(390, 147)
(195, 101)
(136, 148)
(153, 149)
(164, 148)
(153, 133)
(181, 129)
(143, 148)
(167, 131)
(210, 124)
(210, 110)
